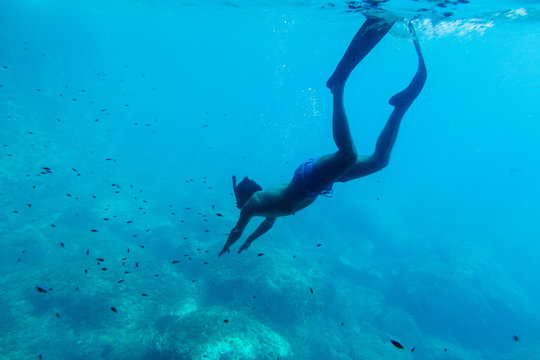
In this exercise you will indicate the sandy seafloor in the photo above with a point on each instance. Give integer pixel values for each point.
(123, 123)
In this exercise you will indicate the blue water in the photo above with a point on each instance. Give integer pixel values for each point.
(142, 111)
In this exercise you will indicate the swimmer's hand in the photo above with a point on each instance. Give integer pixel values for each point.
(233, 236)
(244, 246)
(225, 250)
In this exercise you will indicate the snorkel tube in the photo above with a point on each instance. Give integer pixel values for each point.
(234, 188)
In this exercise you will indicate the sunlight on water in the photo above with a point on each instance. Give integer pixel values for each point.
(460, 28)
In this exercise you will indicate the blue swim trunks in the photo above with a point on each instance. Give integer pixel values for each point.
(307, 180)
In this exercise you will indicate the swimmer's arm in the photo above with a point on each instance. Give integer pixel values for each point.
(236, 232)
(261, 229)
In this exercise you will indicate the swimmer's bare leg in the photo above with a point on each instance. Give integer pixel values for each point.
(371, 32)
(366, 165)
(331, 166)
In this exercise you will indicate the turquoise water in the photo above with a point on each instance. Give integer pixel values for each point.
(129, 118)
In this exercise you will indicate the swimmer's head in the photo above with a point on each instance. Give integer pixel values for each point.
(244, 190)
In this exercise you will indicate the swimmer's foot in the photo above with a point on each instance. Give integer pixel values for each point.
(407, 96)
(371, 32)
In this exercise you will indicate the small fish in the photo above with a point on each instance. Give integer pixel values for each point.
(261, 254)
(225, 321)
(318, 245)
(57, 315)
(218, 214)
(310, 289)
(136, 264)
(61, 244)
(113, 309)
(29, 205)
(68, 195)
(129, 221)
(120, 281)
(87, 252)
(94, 230)
(86, 271)
(52, 225)
(445, 349)
(516, 338)
(175, 261)
(100, 259)
(413, 348)
(124, 258)
(396, 344)
(41, 290)
(104, 268)
(342, 324)
(144, 294)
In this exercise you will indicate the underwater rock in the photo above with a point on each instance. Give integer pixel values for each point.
(463, 288)
(205, 332)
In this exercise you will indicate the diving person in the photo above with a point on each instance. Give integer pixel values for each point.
(317, 175)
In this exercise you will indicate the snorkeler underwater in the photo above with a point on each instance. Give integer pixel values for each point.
(123, 123)
(316, 176)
